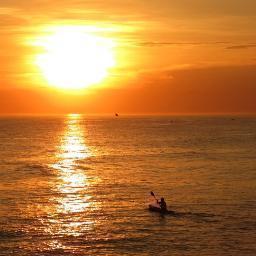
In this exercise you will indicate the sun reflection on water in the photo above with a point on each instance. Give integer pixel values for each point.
(72, 208)
(73, 181)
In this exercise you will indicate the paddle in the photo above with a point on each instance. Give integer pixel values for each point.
(152, 194)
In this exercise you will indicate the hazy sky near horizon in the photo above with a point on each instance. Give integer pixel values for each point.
(178, 56)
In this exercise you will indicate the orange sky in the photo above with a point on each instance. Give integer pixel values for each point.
(178, 56)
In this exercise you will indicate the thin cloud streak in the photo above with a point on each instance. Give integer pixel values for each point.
(159, 44)
(238, 47)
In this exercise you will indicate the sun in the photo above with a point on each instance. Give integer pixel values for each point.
(73, 58)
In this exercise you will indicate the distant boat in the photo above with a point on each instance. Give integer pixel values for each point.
(116, 114)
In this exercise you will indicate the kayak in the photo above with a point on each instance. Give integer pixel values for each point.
(156, 208)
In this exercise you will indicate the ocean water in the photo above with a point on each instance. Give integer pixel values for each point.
(79, 185)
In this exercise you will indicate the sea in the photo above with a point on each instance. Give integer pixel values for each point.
(80, 185)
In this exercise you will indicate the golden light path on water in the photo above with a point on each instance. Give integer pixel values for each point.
(73, 202)
(74, 181)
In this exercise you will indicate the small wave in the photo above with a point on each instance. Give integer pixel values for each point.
(197, 214)
(6, 234)
(36, 169)
(82, 167)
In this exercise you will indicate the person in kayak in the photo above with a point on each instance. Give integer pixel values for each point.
(163, 205)
(159, 205)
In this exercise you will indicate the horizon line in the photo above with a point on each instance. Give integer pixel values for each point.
(120, 114)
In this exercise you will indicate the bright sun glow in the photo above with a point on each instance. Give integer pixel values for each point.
(74, 59)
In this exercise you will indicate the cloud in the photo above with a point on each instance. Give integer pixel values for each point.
(242, 46)
(158, 44)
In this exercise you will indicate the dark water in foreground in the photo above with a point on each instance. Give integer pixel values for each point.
(79, 185)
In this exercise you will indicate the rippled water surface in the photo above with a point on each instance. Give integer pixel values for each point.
(77, 185)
